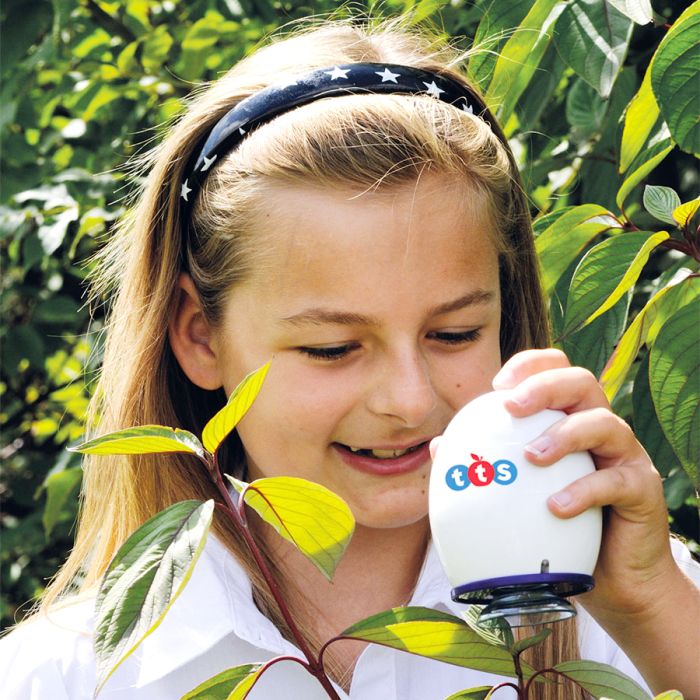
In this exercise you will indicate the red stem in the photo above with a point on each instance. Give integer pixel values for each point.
(237, 517)
(505, 684)
(548, 670)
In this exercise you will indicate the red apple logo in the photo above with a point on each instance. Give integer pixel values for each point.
(480, 472)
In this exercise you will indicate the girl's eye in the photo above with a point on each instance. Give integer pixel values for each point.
(455, 338)
(330, 352)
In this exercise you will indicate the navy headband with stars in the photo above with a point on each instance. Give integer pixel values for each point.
(345, 79)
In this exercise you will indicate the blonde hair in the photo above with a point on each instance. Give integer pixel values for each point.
(366, 141)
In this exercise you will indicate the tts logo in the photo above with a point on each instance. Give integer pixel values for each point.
(481, 473)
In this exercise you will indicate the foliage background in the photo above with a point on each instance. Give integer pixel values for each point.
(86, 84)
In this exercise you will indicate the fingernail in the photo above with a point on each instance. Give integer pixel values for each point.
(504, 379)
(433, 446)
(519, 398)
(562, 499)
(539, 446)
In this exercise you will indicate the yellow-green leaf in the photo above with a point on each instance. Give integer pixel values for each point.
(640, 117)
(232, 684)
(238, 403)
(685, 212)
(560, 243)
(480, 693)
(669, 695)
(605, 273)
(643, 330)
(141, 440)
(309, 515)
(436, 635)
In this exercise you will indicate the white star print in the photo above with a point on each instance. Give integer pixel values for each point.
(387, 76)
(289, 83)
(433, 89)
(208, 163)
(185, 190)
(338, 73)
(468, 108)
(241, 131)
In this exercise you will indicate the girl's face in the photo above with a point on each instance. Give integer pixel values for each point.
(382, 315)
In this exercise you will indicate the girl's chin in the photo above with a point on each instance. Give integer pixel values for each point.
(402, 512)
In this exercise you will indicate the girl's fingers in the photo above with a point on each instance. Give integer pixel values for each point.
(598, 430)
(627, 489)
(569, 389)
(526, 363)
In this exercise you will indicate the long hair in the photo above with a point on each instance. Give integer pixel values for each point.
(367, 141)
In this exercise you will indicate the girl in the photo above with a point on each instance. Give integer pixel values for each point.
(362, 222)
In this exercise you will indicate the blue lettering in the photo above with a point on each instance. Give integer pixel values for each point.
(506, 473)
(456, 477)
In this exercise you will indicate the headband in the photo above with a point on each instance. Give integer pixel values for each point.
(346, 79)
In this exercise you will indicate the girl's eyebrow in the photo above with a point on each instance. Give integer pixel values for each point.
(319, 315)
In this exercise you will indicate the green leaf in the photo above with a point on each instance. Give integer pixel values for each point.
(585, 109)
(674, 72)
(309, 515)
(601, 680)
(520, 57)
(59, 487)
(674, 377)
(661, 202)
(146, 576)
(533, 641)
(592, 345)
(496, 632)
(638, 11)
(238, 403)
(436, 635)
(142, 440)
(646, 423)
(592, 37)
(560, 243)
(479, 693)
(644, 329)
(640, 117)
(232, 684)
(669, 695)
(605, 273)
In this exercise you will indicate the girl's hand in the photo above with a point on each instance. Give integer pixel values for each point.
(635, 567)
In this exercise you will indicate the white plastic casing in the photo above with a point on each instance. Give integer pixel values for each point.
(485, 532)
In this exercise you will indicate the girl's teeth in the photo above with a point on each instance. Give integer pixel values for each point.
(382, 454)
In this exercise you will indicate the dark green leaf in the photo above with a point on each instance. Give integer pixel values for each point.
(60, 486)
(592, 37)
(674, 377)
(533, 641)
(147, 574)
(601, 680)
(674, 74)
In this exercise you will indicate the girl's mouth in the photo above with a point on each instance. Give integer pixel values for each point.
(381, 454)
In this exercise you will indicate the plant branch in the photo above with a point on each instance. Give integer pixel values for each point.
(505, 684)
(234, 513)
(541, 672)
(519, 674)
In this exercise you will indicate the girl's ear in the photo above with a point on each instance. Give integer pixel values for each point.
(191, 338)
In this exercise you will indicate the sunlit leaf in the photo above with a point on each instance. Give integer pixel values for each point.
(59, 488)
(146, 576)
(497, 631)
(141, 440)
(309, 515)
(437, 635)
(685, 212)
(519, 58)
(479, 693)
(661, 202)
(232, 684)
(605, 273)
(674, 71)
(640, 117)
(592, 37)
(602, 680)
(560, 243)
(659, 146)
(644, 329)
(674, 377)
(638, 11)
(238, 403)
(669, 695)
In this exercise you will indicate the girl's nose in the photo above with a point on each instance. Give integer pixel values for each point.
(403, 390)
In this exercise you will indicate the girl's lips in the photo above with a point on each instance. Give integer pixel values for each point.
(403, 464)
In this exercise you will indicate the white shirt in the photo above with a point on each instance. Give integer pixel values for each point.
(214, 625)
